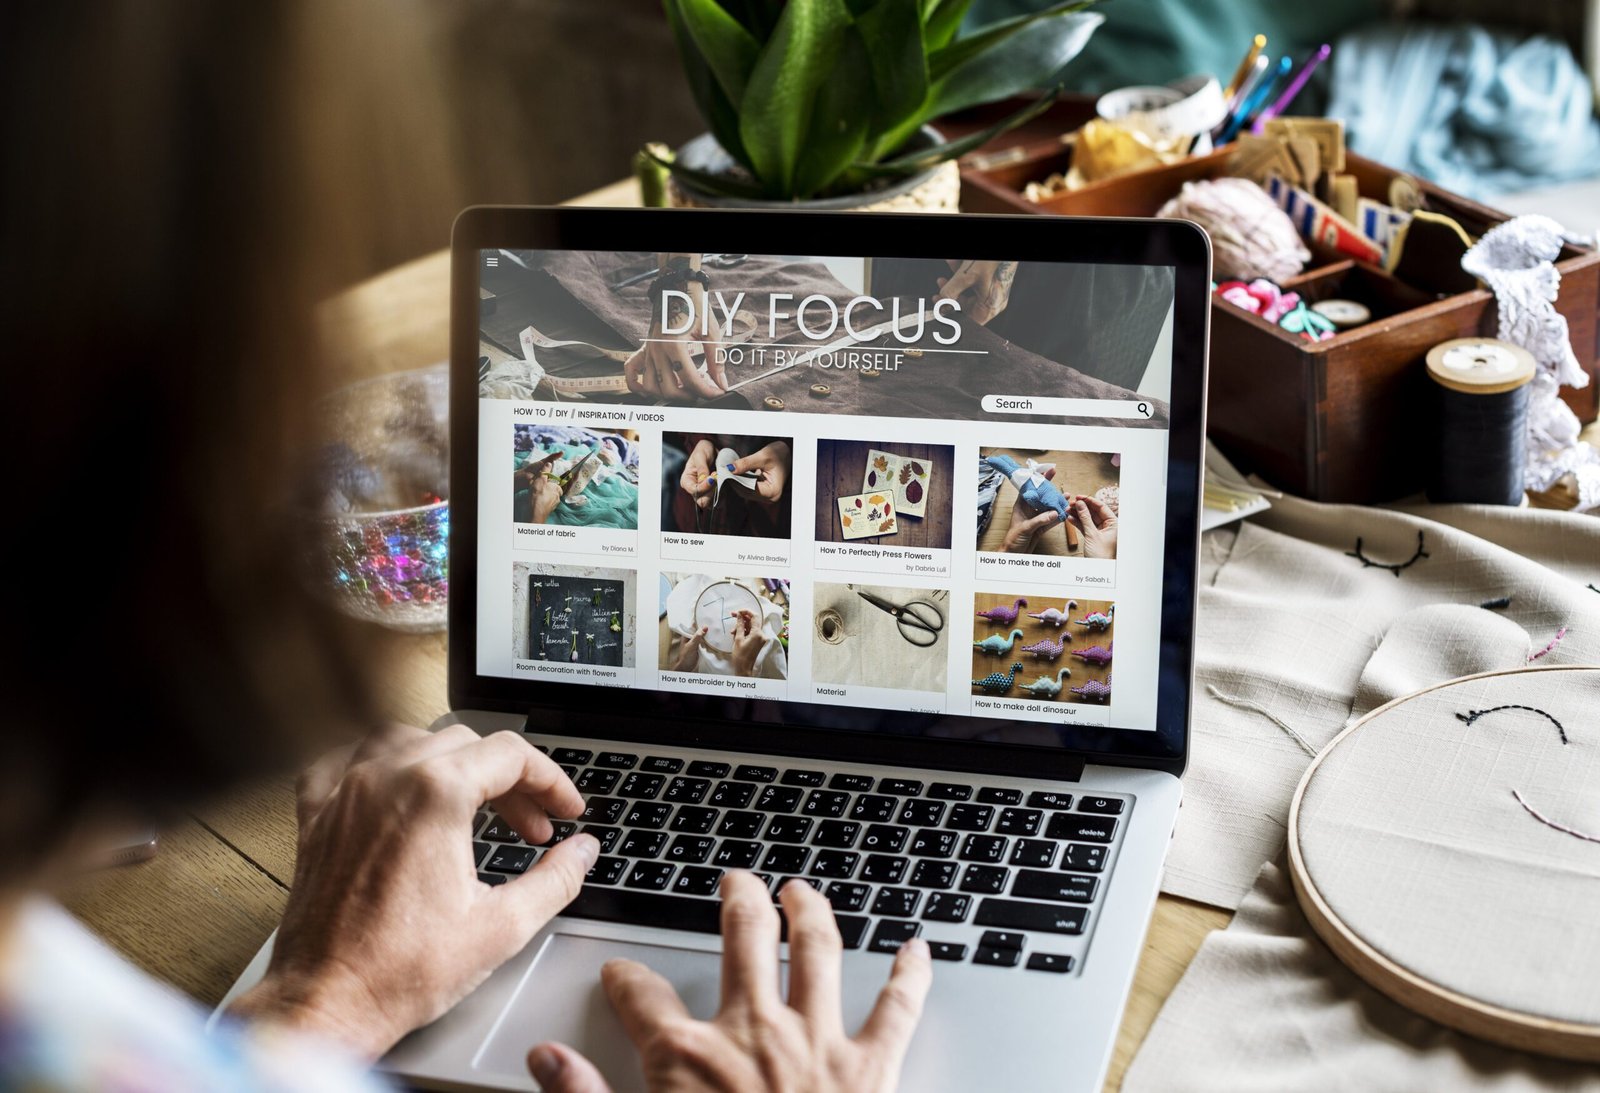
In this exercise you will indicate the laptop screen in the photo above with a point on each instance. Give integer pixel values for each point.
(851, 488)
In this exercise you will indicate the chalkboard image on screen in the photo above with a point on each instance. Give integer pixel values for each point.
(579, 620)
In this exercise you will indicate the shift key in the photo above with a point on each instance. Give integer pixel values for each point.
(1061, 887)
(1043, 917)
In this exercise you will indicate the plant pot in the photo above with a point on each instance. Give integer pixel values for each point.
(936, 190)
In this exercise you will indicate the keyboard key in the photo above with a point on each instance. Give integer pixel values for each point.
(541, 748)
(690, 848)
(732, 794)
(1039, 853)
(873, 809)
(852, 929)
(702, 916)
(947, 907)
(932, 843)
(931, 873)
(778, 799)
(686, 791)
(1050, 962)
(891, 934)
(922, 813)
(900, 787)
(491, 879)
(642, 844)
(884, 838)
(695, 880)
(579, 756)
(984, 848)
(741, 825)
(647, 814)
(1046, 799)
(988, 879)
(603, 810)
(1081, 828)
(694, 819)
(737, 854)
(1001, 939)
(595, 780)
(1040, 917)
(606, 871)
(1084, 858)
(1061, 887)
(569, 771)
(947, 950)
(949, 791)
(755, 774)
(559, 830)
(511, 859)
(705, 768)
(834, 863)
(1019, 821)
(1105, 806)
(786, 859)
(826, 802)
(847, 896)
(838, 834)
(970, 817)
(608, 836)
(617, 760)
(860, 783)
(777, 891)
(884, 869)
(499, 831)
(897, 902)
(479, 820)
(641, 786)
(661, 764)
(990, 796)
(1000, 958)
(478, 851)
(803, 777)
(789, 829)
(650, 874)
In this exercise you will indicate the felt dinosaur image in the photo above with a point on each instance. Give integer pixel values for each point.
(1045, 649)
(1051, 617)
(1097, 620)
(1098, 655)
(997, 684)
(1036, 491)
(1002, 614)
(1045, 687)
(1094, 690)
(997, 645)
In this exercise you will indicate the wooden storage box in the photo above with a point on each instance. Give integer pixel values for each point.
(1347, 419)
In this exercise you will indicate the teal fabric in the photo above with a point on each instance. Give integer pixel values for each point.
(613, 503)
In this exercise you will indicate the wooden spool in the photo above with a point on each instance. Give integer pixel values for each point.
(1428, 853)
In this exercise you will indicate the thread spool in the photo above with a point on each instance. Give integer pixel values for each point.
(1482, 451)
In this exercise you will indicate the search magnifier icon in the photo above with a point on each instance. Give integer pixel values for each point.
(1143, 408)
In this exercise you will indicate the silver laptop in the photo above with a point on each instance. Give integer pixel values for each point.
(758, 530)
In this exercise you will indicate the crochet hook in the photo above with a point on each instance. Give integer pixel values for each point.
(1295, 85)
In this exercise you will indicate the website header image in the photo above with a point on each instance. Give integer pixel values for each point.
(888, 337)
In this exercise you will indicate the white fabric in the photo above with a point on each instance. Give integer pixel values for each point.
(771, 663)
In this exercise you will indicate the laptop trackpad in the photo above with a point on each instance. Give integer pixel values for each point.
(561, 999)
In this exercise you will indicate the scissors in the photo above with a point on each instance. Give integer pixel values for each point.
(919, 621)
(563, 480)
(715, 261)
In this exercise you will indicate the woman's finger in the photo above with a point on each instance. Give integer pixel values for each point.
(527, 902)
(559, 1069)
(643, 999)
(716, 364)
(497, 765)
(894, 1017)
(692, 379)
(814, 954)
(749, 942)
(633, 370)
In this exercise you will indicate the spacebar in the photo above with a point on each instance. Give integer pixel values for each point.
(702, 916)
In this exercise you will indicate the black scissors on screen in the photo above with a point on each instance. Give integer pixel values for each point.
(919, 621)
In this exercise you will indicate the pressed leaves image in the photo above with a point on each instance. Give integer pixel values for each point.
(895, 494)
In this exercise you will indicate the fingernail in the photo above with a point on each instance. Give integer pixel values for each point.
(545, 1064)
(917, 947)
(588, 846)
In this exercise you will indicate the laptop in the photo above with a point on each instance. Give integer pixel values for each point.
(849, 547)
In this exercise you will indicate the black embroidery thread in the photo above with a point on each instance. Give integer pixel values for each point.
(1392, 567)
(1496, 604)
(1472, 715)
(1592, 587)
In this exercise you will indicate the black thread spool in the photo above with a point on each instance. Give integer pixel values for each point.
(1481, 453)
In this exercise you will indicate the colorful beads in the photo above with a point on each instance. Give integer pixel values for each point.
(392, 568)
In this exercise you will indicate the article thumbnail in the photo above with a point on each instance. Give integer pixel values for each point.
(574, 614)
(576, 477)
(879, 636)
(885, 492)
(1048, 502)
(726, 484)
(1042, 647)
(724, 626)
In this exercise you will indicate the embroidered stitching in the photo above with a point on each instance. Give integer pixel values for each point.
(1472, 715)
(1392, 567)
(1548, 822)
(1496, 604)
(1555, 641)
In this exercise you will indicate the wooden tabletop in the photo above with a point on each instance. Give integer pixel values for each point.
(197, 912)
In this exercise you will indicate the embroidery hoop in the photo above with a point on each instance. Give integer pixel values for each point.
(1313, 857)
(728, 590)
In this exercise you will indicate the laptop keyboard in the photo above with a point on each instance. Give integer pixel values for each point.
(897, 857)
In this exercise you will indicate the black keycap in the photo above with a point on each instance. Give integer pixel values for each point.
(834, 863)
(608, 836)
(932, 843)
(803, 777)
(647, 814)
(686, 791)
(595, 780)
(741, 825)
(1038, 853)
(694, 819)
(702, 916)
(873, 808)
(690, 848)
(852, 929)
(931, 873)
(737, 854)
(499, 831)
(559, 830)
(606, 871)
(1081, 828)
(922, 813)
(884, 838)
(1084, 858)
(569, 771)
(970, 817)
(860, 783)
(705, 768)
(511, 859)
(947, 907)
(491, 879)
(642, 844)
(991, 796)
(732, 794)
(884, 869)
(479, 820)
(603, 810)
(1046, 799)
(579, 756)
(778, 799)
(984, 848)
(661, 764)
(777, 896)
(1001, 958)
(900, 787)
(847, 896)
(1105, 806)
(478, 851)
(988, 879)
(755, 774)
(1061, 887)
(786, 859)
(950, 791)
(825, 802)
(897, 902)
(618, 760)
(789, 829)
(1018, 821)
(947, 950)
(695, 880)
(838, 834)
(641, 787)
(1001, 939)
(541, 748)
(891, 934)
(1049, 962)
(1047, 918)
(649, 874)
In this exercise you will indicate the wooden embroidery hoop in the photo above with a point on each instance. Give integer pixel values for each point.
(1475, 1017)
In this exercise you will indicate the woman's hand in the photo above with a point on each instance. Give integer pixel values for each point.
(543, 491)
(689, 651)
(1026, 525)
(664, 365)
(387, 925)
(773, 464)
(758, 1041)
(748, 641)
(696, 477)
(983, 288)
(1097, 523)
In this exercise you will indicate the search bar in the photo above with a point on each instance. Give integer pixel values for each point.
(1068, 407)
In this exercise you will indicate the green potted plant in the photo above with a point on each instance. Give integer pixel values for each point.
(828, 102)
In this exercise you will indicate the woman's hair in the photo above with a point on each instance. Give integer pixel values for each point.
(182, 179)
